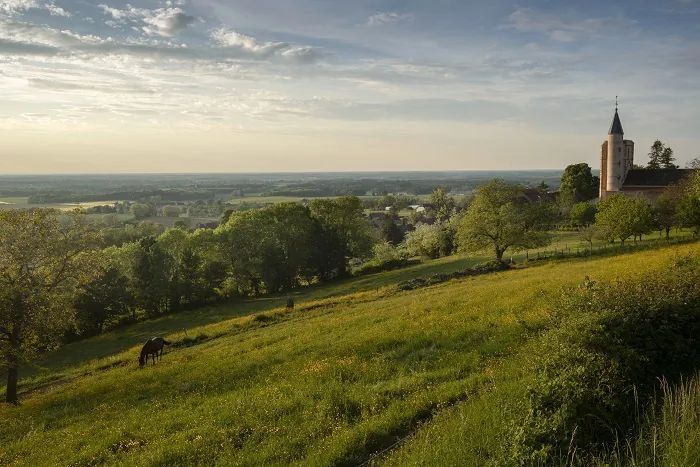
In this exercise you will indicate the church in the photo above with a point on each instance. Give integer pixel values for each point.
(617, 172)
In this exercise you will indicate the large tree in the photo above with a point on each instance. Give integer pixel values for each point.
(42, 258)
(622, 217)
(345, 216)
(578, 177)
(498, 220)
(661, 156)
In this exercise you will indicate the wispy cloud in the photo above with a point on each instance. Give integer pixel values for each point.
(562, 29)
(381, 19)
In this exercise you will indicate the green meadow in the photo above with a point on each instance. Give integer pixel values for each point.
(358, 373)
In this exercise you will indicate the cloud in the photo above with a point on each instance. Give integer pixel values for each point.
(164, 22)
(564, 30)
(168, 22)
(381, 19)
(9, 8)
(249, 46)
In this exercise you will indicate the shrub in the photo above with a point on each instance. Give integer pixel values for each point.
(483, 268)
(607, 348)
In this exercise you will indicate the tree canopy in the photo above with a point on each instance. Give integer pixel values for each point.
(498, 220)
(578, 177)
(622, 217)
(42, 258)
(661, 156)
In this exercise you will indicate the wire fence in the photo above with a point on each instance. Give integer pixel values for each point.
(579, 251)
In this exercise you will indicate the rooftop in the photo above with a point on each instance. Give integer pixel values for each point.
(654, 177)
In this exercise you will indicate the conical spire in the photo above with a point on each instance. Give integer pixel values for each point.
(616, 127)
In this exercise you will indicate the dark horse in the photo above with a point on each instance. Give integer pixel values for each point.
(154, 348)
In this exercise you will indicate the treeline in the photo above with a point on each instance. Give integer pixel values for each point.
(67, 196)
(275, 249)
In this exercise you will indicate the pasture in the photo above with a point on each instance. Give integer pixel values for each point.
(356, 367)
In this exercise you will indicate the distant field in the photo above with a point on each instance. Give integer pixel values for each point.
(11, 200)
(21, 203)
(342, 377)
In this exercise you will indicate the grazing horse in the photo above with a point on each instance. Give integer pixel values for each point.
(154, 348)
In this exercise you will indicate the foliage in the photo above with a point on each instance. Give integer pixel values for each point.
(106, 298)
(479, 269)
(443, 204)
(387, 256)
(582, 214)
(580, 178)
(391, 232)
(430, 241)
(171, 211)
(622, 217)
(607, 348)
(498, 221)
(345, 217)
(141, 211)
(41, 260)
(269, 247)
(661, 156)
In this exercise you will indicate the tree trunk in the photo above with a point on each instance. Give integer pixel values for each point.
(12, 376)
(668, 233)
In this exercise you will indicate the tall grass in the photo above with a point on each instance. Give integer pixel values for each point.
(670, 432)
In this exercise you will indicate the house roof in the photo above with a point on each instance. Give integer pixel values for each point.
(616, 127)
(654, 177)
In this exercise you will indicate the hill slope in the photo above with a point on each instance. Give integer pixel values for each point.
(331, 383)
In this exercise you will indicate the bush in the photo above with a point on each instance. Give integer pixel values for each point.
(605, 353)
(483, 268)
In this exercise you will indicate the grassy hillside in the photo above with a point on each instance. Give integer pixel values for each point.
(344, 376)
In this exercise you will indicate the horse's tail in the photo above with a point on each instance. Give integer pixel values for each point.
(165, 342)
(142, 357)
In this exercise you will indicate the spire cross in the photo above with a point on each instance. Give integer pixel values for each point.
(615, 103)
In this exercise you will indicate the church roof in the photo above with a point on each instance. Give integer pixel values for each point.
(654, 177)
(616, 127)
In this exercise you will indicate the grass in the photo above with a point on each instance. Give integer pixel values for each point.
(348, 373)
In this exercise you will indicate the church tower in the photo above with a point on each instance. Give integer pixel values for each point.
(617, 159)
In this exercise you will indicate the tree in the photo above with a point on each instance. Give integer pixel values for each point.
(171, 211)
(578, 177)
(694, 164)
(443, 204)
(102, 299)
(582, 214)
(429, 241)
(140, 211)
(667, 159)
(391, 232)
(346, 217)
(111, 220)
(498, 221)
(41, 261)
(542, 187)
(689, 207)
(666, 207)
(622, 217)
(589, 234)
(661, 157)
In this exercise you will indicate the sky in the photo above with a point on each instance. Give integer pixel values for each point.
(99, 86)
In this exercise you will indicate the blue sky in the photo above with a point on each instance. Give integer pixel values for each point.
(297, 85)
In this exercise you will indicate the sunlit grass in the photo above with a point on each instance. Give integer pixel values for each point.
(351, 370)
